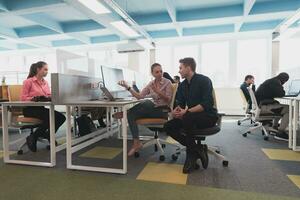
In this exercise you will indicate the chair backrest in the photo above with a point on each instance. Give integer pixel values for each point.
(255, 108)
(174, 88)
(245, 103)
(220, 115)
(14, 92)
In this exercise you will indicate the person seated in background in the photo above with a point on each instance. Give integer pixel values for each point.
(35, 87)
(265, 94)
(160, 90)
(194, 109)
(177, 79)
(167, 76)
(249, 81)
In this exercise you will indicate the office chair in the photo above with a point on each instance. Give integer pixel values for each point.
(260, 120)
(17, 120)
(200, 135)
(156, 125)
(246, 109)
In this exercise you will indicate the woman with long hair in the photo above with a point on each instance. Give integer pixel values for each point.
(35, 87)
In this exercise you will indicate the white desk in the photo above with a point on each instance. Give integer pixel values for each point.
(123, 106)
(6, 144)
(293, 103)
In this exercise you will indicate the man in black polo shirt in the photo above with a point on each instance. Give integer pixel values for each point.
(249, 81)
(265, 94)
(194, 109)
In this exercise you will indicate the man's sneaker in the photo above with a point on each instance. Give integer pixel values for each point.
(282, 136)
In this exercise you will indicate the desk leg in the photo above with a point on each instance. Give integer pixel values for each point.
(52, 136)
(5, 134)
(124, 134)
(295, 124)
(68, 137)
(290, 124)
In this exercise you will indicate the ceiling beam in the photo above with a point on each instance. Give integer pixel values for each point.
(44, 20)
(248, 5)
(37, 9)
(11, 35)
(283, 30)
(103, 20)
(47, 22)
(172, 13)
(125, 16)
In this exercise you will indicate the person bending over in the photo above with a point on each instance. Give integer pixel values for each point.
(265, 94)
(35, 87)
(194, 109)
(160, 90)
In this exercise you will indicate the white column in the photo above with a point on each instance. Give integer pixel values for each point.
(275, 57)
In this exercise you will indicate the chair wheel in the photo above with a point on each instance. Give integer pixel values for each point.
(136, 154)
(162, 158)
(155, 148)
(218, 151)
(266, 138)
(163, 146)
(245, 134)
(20, 152)
(197, 166)
(174, 157)
(225, 163)
(239, 123)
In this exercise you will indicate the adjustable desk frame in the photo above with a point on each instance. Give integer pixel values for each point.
(293, 103)
(122, 106)
(53, 149)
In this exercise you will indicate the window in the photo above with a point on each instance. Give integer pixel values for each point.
(215, 62)
(163, 55)
(252, 58)
(183, 52)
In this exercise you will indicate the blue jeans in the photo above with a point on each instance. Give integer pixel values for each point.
(145, 109)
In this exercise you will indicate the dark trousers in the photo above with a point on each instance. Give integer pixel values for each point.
(182, 129)
(145, 109)
(42, 113)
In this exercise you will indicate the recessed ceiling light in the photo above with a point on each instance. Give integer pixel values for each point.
(125, 29)
(95, 6)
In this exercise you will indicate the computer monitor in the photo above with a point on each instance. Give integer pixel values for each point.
(294, 87)
(111, 77)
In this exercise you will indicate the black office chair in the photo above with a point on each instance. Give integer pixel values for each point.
(199, 136)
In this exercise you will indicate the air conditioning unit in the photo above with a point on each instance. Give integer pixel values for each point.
(131, 46)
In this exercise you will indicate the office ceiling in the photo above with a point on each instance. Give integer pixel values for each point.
(31, 24)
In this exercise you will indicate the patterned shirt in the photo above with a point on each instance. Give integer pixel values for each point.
(165, 86)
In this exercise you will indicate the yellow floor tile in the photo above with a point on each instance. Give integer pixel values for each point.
(163, 172)
(171, 140)
(295, 179)
(102, 153)
(282, 154)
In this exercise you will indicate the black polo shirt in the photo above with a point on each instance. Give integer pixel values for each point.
(197, 91)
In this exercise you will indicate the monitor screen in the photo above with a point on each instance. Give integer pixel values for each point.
(294, 87)
(111, 77)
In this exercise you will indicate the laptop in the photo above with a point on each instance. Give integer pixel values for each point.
(109, 96)
(294, 89)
